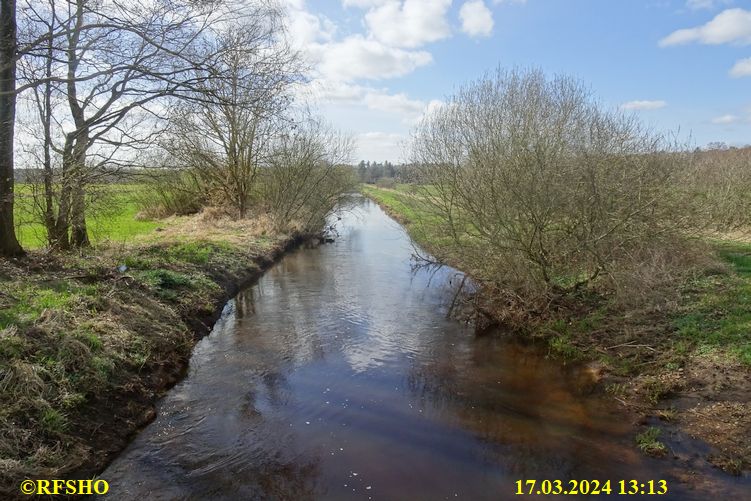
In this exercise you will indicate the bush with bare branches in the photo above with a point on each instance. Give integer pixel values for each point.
(541, 191)
(306, 178)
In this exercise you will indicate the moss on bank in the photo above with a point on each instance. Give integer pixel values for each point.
(672, 359)
(88, 342)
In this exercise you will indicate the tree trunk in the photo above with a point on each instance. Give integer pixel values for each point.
(79, 235)
(46, 116)
(9, 245)
(80, 137)
(59, 238)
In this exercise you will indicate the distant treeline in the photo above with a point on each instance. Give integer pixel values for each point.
(372, 172)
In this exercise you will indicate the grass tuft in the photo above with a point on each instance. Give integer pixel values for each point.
(649, 444)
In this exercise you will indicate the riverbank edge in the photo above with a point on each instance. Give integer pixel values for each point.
(97, 430)
(200, 323)
(662, 405)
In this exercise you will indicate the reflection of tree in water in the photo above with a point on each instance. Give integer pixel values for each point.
(273, 394)
(286, 481)
(462, 287)
(269, 476)
(245, 452)
(509, 396)
(278, 316)
(245, 305)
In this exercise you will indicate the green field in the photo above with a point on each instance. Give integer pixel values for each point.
(718, 311)
(110, 218)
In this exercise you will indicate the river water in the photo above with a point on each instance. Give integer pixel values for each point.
(338, 376)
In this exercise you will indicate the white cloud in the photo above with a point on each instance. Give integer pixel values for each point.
(393, 103)
(477, 19)
(305, 28)
(363, 4)
(643, 105)
(342, 64)
(705, 4)
(411, 23)
(358, 58)
(380, 146)
(741, 68)
(725, 119)
(408, 110)
(729, 26)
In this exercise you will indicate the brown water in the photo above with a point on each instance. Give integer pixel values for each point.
(338, 376)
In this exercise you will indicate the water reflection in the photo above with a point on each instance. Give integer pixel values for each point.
(338, 376)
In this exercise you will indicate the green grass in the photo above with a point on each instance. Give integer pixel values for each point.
(425, 227)
(397, 199)
(738, 255)
(53, 421)
(111, 217)
(718, 315)
(648, 442)
(30, 300)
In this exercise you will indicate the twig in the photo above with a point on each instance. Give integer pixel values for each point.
(631, 344)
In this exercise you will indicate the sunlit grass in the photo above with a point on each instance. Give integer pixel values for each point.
(111, 217)
(718, 314)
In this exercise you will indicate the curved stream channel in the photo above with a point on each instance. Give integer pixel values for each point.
(338, 376)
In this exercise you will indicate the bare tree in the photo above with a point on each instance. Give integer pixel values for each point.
(720, 188)
(118, 65)
(307, 177)
(226, 141)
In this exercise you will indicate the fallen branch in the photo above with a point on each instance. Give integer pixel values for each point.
(631, 344)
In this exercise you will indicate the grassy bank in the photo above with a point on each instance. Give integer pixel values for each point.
(682, 362)
(89, 341)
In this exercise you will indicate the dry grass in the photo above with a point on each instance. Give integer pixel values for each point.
(212, 225)
(85, 347)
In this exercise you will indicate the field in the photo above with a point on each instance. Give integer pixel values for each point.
(111, 217)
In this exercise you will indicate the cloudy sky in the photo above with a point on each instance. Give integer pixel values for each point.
(681, 65)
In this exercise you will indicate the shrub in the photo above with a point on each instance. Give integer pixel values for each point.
(386, 182)
(306, 179)
(543, 192)
(172, 193)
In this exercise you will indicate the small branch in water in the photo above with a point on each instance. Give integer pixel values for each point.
(453, 301)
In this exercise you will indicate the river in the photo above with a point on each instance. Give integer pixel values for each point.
(338, 376)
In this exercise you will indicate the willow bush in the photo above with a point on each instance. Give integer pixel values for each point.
(541, 191)
(306, 178)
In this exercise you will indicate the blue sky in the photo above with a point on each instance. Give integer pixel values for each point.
(379, 65)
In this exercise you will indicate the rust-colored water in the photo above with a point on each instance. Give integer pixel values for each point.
(338, 376)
